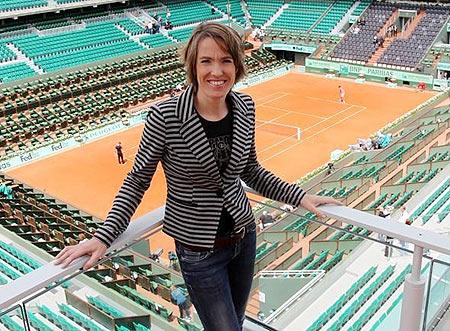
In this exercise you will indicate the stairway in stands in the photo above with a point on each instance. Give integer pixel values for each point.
(380, 50)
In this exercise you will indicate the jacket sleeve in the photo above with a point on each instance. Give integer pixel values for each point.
(138, 180)
(265, 182)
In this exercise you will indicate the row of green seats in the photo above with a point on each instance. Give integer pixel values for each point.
(6, 54)
(356, 305)
(131, 26)
(330, 263)
(397, 154)
(156, 40)
(261, 11)
(35, 46)
(15, 71)
(235, 8)
(300, 225)
(331, 19)
(182, 35)
(37, 323)
(15, 263)
(370, 172)
(338, 234)
(9, 5)
(435, 207)
(59, 320)
(377, 202)
(266, 250)
(403, 199)
(11, 324)
(317, 262)
(101, 52)
(20, 255)
(8, 271)
(103, 306)
(145, 301)
(192, 11)
(343, 299)
(438, 156)
(445, 211)
(379, 301)
(361, 7)
(430, 199)
(391, 199)
(80, 318)
(362, 159)
(300, 265)
(423, 134)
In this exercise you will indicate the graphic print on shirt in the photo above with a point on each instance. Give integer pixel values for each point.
(221, 148)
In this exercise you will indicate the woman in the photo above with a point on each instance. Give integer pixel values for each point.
(205, 140)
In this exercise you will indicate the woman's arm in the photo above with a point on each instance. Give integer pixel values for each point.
(273, 187)
(129, 196)
(138, 179)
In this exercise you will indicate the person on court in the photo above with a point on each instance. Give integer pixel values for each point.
(341, 94)
(205, 140)
(119, 153)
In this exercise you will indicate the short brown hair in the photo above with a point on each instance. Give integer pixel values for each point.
(226, 37)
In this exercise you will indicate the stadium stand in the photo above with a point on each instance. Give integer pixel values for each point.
(261, 11)
(409, 52)
(183, 12)
(360, 47)
(235, 9)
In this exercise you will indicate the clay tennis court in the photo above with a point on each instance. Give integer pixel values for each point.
(89, 176)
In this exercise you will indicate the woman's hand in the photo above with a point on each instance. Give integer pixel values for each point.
(311, 202)
(92, 247)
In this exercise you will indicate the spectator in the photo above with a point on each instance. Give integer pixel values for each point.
(330, 168)
(287, 208)
(172, 259)
(6, 190)
(181, 300)
(266, 219)
(404, 218)
(386, 214)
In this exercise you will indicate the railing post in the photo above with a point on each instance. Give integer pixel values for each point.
(413, 294)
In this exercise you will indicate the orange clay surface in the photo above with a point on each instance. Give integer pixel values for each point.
(88, 177)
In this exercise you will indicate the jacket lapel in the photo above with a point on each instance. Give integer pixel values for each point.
(194, 136)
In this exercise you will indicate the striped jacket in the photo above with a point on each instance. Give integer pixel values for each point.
(196, 191)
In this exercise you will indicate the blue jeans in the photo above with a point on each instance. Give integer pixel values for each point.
(219, 282)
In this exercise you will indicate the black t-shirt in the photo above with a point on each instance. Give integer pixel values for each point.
(219, 134)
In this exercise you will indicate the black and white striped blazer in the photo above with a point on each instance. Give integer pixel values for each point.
(196, 192)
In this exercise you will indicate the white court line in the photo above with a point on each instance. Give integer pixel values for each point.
(315, 134)
(294, 112)
(268, 95)
(282, 96)
(271, 121)
(332, 101)
(335, 114)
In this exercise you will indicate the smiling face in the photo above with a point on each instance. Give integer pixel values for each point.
(215, 70)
